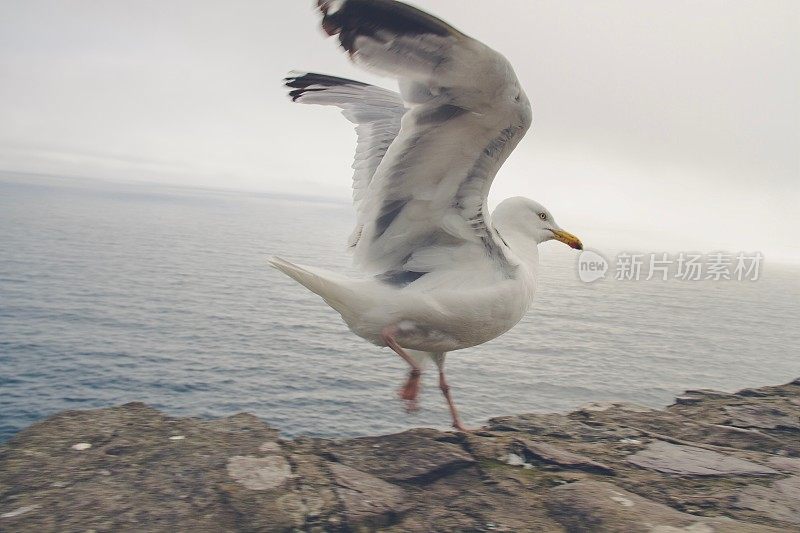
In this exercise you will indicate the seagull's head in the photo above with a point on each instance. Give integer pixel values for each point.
(532, 219)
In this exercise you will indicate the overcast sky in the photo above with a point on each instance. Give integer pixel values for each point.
(662, 125)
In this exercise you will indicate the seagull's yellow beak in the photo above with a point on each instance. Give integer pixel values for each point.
(567, 238)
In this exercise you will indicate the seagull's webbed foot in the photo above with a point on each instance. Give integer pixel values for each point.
(458, 426)
(410, 390)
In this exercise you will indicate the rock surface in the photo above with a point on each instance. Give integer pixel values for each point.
(603, 507)
(693, 461)
(712, 462)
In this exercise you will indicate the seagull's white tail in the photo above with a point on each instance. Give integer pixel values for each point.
(333, 288)
(345, 295)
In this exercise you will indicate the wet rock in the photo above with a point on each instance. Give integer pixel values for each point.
(691, 461)
(591, 506)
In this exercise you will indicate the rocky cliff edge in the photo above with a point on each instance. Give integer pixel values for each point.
(712, 461)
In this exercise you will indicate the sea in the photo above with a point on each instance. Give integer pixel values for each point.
(118, 292)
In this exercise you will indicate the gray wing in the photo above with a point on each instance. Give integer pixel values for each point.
(375, 111)
(424, 210)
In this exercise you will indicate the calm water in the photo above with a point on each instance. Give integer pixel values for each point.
(113, 293)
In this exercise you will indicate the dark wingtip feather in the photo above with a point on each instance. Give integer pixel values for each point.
(305, 79)
(304, 82)
(354, 18)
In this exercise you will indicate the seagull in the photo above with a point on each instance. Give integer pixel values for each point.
(439, 273)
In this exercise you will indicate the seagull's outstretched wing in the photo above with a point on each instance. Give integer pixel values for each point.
(375, 111)
(424, 209)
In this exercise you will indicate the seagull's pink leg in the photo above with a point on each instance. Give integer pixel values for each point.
(445, 388)
(409, 391)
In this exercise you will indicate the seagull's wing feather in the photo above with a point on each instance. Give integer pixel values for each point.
(375, 111)
(424, 209)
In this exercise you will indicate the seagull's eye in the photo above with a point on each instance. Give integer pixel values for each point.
(543, 216)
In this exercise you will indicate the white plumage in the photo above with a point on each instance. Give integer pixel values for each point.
(440, 274)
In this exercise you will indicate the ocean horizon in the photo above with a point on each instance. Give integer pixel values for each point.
(117, 292)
